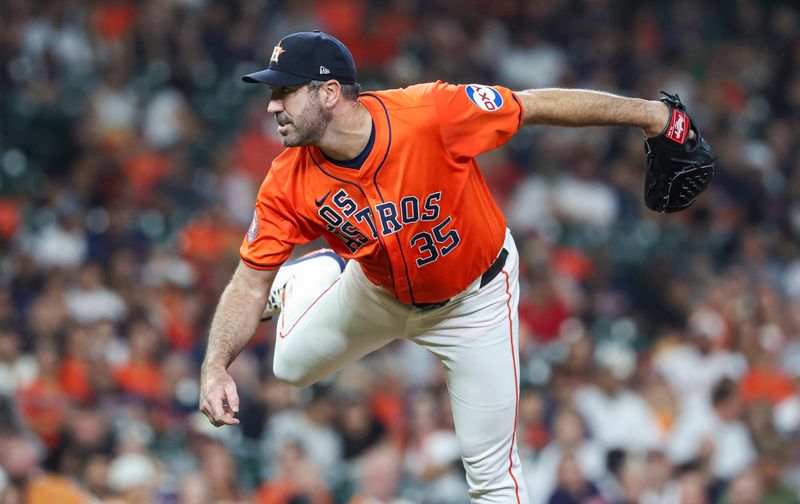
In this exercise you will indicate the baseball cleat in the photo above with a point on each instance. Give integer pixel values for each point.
(311, 263)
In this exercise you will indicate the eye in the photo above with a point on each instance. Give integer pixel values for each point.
(281, 92)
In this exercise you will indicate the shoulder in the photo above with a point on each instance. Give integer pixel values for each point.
(283, 169)
(417, 95)
(446, 98)
(286, 163)
(288, 159)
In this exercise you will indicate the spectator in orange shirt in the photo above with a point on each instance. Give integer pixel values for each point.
(296, 478)
(765, 381)
(141, 375)
(254, 144)
(29, 484)
(43, 404)
(209, 237)
(73, 373)
(144, 170)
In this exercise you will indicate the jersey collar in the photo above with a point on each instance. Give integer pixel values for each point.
(372, 161)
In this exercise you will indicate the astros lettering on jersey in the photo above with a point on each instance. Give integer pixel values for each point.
(417, 214)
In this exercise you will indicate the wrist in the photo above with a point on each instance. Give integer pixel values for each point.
(212, 367)
(656, 118)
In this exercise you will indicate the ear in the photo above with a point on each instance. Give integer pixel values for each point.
(330, 93)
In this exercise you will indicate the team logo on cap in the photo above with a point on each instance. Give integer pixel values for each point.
(485, 97)
(276, 53)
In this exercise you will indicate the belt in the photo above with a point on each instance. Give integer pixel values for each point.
(487, 277)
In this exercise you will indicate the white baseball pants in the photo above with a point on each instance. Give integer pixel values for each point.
(330, 320)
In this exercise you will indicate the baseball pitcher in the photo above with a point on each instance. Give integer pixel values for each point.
(418, 248)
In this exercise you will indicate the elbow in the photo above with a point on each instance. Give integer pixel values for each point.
(529, 101)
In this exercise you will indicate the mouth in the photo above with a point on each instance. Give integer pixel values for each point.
(283, 123)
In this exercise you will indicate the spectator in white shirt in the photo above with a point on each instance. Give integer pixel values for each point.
(617, 416)
(700, 360)
(17, 369)
(569, 437)
(662, 488)
(715, 433)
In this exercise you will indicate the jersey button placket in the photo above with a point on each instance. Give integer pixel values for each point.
(401, 285)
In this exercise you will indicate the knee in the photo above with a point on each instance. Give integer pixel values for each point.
(291, 374)
(492, 467)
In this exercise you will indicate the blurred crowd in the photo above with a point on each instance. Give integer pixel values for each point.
(660, 353)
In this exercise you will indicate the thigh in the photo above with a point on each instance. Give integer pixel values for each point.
(476, 339)
(325, 327)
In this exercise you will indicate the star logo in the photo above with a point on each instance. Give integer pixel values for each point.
(276, 53)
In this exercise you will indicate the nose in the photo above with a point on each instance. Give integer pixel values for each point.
(275, 106)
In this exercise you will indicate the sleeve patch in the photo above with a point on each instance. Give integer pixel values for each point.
(484, 97)
(252, 231)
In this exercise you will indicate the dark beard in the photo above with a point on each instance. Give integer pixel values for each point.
(309, 126)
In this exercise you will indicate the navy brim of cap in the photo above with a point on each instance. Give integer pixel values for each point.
(272, 77)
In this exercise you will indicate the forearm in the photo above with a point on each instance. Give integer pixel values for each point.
(578, 107)
(237, 316)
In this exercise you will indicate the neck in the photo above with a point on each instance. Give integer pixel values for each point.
(348, 132)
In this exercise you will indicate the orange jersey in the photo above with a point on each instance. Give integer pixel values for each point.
(417, 214)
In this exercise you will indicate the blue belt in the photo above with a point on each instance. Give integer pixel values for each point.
(487, 277)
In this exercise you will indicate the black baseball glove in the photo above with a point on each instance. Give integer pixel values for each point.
(678, 168)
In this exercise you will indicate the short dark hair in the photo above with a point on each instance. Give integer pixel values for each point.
(724, 390)
(349, 91)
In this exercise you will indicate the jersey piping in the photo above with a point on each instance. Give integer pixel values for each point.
(363, 193)
(359, 160)
(380, 195)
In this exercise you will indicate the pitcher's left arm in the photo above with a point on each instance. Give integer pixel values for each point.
(580, 107)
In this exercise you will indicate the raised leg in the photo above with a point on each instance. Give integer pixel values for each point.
(329, 319)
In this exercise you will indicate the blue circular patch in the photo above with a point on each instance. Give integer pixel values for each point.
(485, 97)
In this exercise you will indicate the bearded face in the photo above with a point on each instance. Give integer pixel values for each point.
(303, 120)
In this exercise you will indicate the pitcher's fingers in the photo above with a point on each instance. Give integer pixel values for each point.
(207, 412)
(215, 402)
(232, 396)
(229, 419)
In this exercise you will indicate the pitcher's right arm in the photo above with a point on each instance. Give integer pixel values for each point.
(235, 321)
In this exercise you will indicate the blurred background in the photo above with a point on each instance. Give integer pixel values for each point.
(660, 353)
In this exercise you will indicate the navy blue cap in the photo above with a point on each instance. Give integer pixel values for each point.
(305, 56)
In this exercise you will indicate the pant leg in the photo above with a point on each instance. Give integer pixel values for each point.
(476, 338)
(330, 320)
